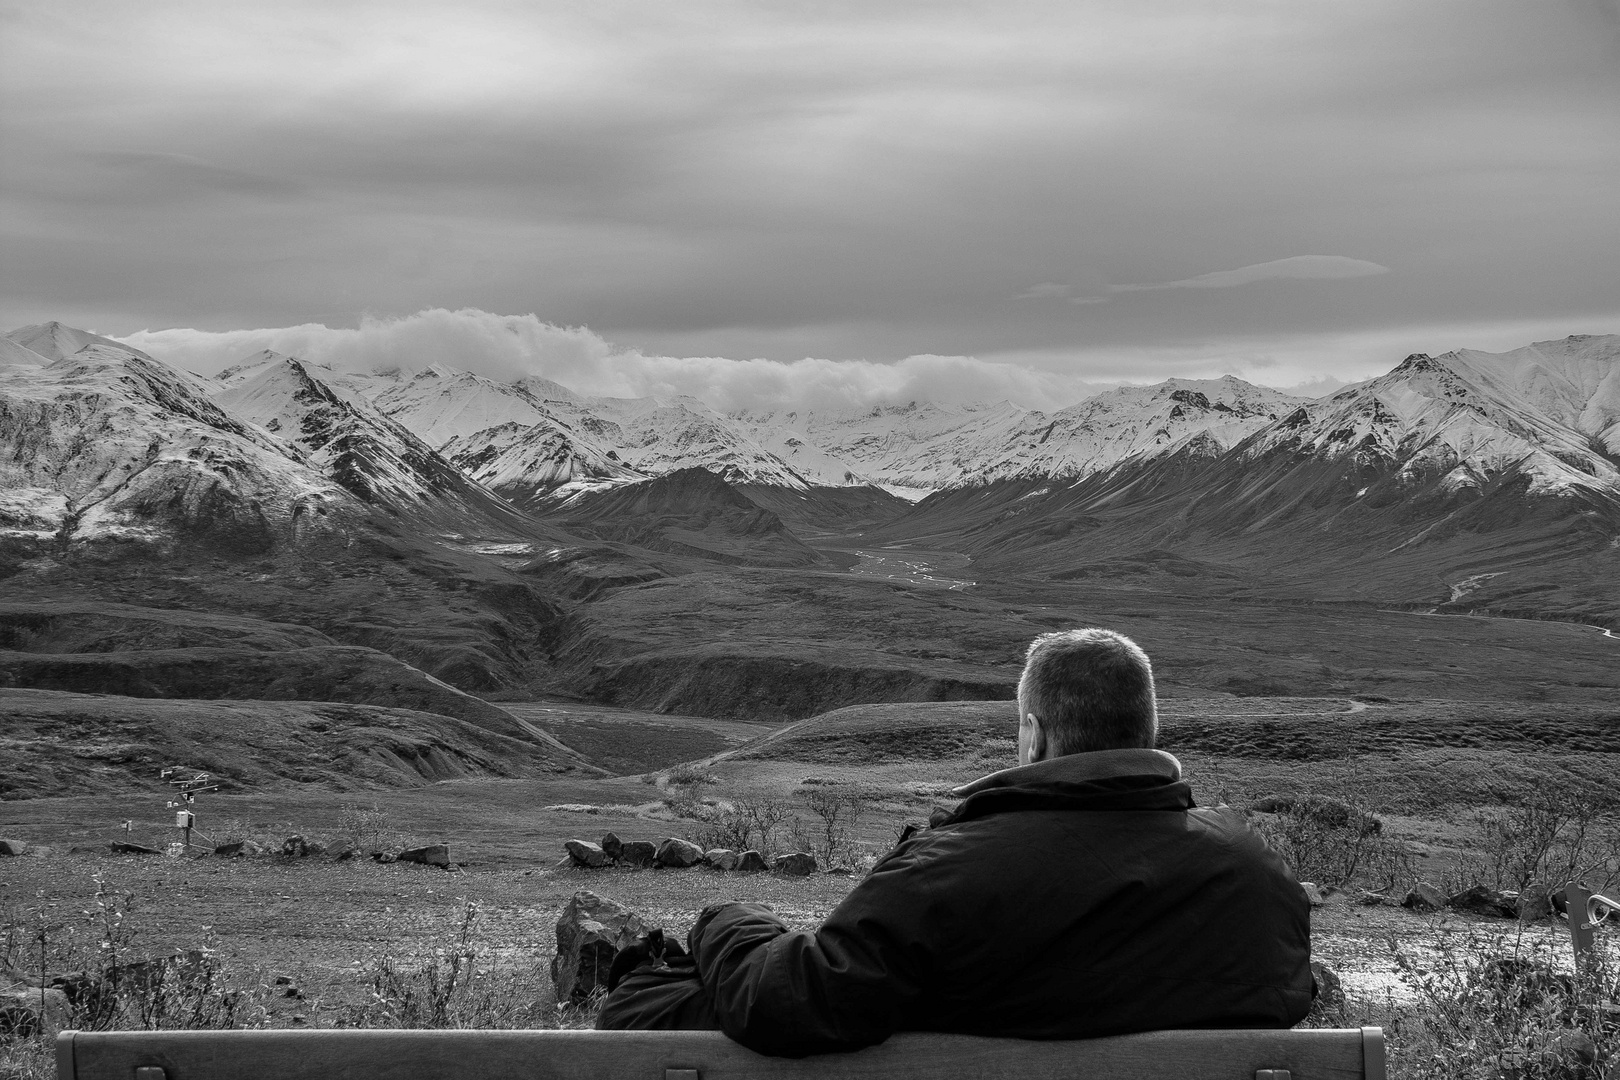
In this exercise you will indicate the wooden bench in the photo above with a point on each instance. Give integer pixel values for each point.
(707, 1055)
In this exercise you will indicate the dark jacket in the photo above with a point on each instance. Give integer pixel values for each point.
(1070, 898)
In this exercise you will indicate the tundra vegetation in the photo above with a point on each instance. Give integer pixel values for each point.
(285, 940)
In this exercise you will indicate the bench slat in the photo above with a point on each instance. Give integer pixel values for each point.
(645, 1055)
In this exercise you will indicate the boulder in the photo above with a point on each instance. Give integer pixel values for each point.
(32, 1010)
(720, 858)
(295, 847)
(1424, 897)
(585, 854)
(1534, 903)
(431, 855)
(1483, 900)
(123, 847)
(1576, 1048)
(590, 932)
(1329, 987)
(640, 853)
(77, 985)
(797, 864)
(679, 853)
(612, 845)
(1312, 893)
(238, 849)
(12, 847)
(751, 862)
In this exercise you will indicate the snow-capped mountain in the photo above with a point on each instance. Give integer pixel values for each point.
(507, 436)
(101, 441)
(919, 445)
(440, 404)
(1548, 413)
(373, 457)
(928, 446)
(1179, 416)
(656, 436)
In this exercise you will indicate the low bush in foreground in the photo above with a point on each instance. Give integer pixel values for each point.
(1505, 1007)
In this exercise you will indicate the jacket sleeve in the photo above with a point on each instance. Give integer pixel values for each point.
(847, 985)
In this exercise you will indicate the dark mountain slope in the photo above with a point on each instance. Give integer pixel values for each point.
(687, 512)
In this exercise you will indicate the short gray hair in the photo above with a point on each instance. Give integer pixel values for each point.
(1092, 690)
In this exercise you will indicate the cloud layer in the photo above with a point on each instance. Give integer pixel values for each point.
(505, 347)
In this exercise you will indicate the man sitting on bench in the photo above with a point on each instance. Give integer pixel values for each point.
(1078, 894)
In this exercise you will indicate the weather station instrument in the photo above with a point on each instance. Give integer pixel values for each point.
(188, 785)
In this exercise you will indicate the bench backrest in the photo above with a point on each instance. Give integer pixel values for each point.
(707, 1055)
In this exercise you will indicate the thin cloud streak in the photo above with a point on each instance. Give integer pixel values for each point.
(1297, 268)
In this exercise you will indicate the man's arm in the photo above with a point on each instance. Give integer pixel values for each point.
(845, 986)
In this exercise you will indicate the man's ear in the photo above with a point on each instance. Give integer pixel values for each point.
(1037, 738)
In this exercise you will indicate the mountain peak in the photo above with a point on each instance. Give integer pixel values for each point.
(56, 341)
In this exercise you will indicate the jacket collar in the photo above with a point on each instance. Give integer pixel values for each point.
(1079, 768)
(1131, 780)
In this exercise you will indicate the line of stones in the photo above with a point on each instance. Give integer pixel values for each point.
(679, 854)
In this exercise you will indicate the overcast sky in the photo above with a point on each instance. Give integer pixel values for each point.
(1062, 192)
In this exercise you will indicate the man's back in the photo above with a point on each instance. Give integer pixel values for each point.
(1074, 897)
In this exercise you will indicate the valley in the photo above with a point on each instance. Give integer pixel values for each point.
(387, 610)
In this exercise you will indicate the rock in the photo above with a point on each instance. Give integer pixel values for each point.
(75, 984)
(1329, 987)
(1312, 893)
(1576, 1046)
(798, 864)
(1368, 898)
(720, 858)
(238, 849)
(678, 853)
(1534, 903)
(612, 845)
(1424, 897)
(12, 847)
(315, 847)
(295, 847)
(121, 847)
(1483, 900)
(641, 853)
(384, 857)
(431, 855)
(32, 1010)
(590, 932)
(345, 853)
(585, 854)
(751, 862)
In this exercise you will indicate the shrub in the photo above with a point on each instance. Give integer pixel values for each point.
(1553, 837)
(1333, 843)
(1494, 1005)
(368, 828)
(457, 982)
(689, 775)
(832, 839)
(745, 823)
